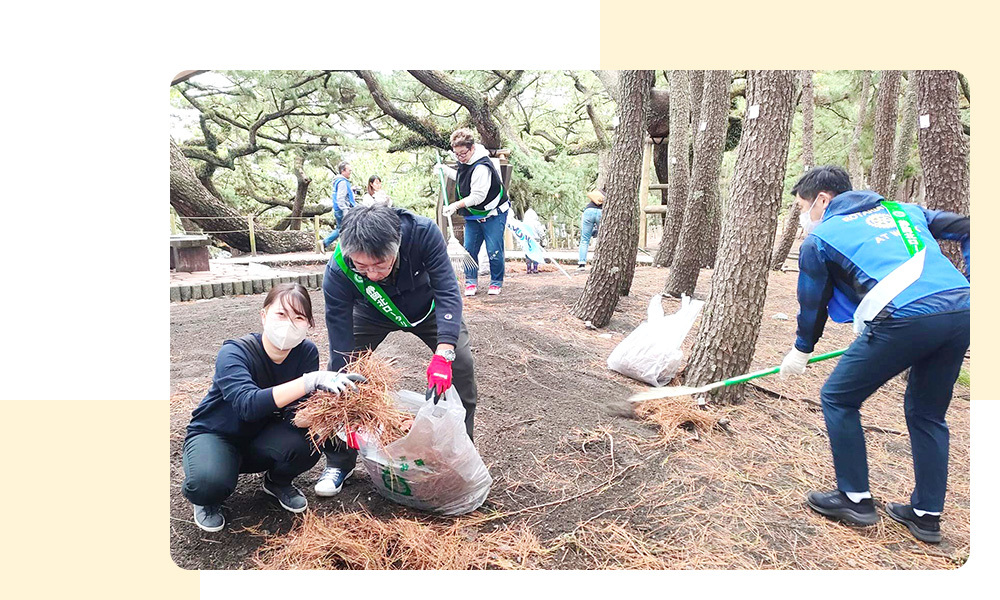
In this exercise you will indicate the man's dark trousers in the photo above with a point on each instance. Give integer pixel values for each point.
(933, 347)
(369, 334)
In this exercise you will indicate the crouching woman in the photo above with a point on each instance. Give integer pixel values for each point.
(239, 427)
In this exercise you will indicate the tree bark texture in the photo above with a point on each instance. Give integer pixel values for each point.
(730, 324)
(615, 261)
(678, 150)
(886, 111)
(944, 151)
(710, 138)
(190, 199)
(790, 227)
(855, 166)
(907, 128)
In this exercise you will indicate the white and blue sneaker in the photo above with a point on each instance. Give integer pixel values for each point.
(331, 481)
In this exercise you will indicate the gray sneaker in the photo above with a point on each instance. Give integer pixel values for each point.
(210, 517)
(289, 496)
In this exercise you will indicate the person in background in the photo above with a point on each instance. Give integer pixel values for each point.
(391, 272)
(342, 198)
(483, 201)
(241, 425)
(536, 230)
(878, 264)
(375, 193)
(589, 221)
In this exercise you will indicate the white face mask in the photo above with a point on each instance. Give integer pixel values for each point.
(806, 221)
(284, 334)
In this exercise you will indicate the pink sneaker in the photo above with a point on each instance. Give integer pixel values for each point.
(494, 290)
(470, 290)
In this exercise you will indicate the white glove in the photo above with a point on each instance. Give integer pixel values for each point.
(794, 363)
(332, 381)
(437, 169)
(449, 210)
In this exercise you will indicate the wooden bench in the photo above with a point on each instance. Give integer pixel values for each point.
(189, 253)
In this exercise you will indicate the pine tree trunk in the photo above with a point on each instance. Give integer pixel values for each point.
(944, 151)
(790, 226)
(615, 263)
(710, 138)
(904, 141)
(190, 199)
(886, 109)
(678, 150)
(730, 325)
(854, 163)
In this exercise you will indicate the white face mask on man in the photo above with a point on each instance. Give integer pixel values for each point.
(806, 220)
(284, 334)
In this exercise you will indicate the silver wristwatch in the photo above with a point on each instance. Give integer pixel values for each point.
(449, 355)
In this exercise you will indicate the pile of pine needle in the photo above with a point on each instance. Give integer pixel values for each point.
(358, 540)
(370, 409)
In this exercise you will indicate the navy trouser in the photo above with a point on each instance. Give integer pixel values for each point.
(933, 347)
(369, 334)
(490, 231)
(213, 462)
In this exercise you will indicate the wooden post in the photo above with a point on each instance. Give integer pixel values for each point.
(647, 156)
(552, 235)
(319, 243)
(253, 240)
(508, 240)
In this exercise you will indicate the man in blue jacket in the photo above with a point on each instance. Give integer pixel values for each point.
(877, 264)
(342, 198)
(391, 272)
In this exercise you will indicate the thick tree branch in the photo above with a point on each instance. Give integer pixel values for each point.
(422, 127)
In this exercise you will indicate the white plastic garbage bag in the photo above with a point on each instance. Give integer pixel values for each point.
(434, 467)
(652, 352)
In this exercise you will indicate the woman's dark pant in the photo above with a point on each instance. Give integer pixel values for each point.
(933, 347)
(369, 334)
(213, 462)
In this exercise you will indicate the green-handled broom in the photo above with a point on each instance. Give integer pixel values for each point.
(460, 258)
(683, 390)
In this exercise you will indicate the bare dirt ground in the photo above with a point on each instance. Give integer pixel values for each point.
(597, 488)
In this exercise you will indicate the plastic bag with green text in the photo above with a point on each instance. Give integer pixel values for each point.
(434, 467)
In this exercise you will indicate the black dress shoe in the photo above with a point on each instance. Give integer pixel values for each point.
(926, 528)
(836, 505)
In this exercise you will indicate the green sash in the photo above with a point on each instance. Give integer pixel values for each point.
(906, 229)
(375, 295)
(475, 211)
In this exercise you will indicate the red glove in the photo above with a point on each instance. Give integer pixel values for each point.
(352, 440)
(439, 374)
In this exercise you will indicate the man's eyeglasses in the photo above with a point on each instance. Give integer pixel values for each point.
(461, 151)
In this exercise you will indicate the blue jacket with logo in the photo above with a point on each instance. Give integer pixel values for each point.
(856, 245)
(423, 273)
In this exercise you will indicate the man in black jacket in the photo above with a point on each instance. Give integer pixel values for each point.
(391, 272)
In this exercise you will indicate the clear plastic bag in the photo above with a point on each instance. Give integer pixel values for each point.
(434, 467)
(652, 352)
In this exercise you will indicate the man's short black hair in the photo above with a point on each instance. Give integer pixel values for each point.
(828, 178)
(373, 230)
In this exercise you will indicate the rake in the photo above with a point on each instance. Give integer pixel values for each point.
(460, 258)
(683, 390)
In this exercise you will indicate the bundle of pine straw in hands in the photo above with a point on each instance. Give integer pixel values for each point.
(370, 409)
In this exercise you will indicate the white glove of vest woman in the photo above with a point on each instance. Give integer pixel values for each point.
(450, 209)
(794, 363)
(332, 381)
